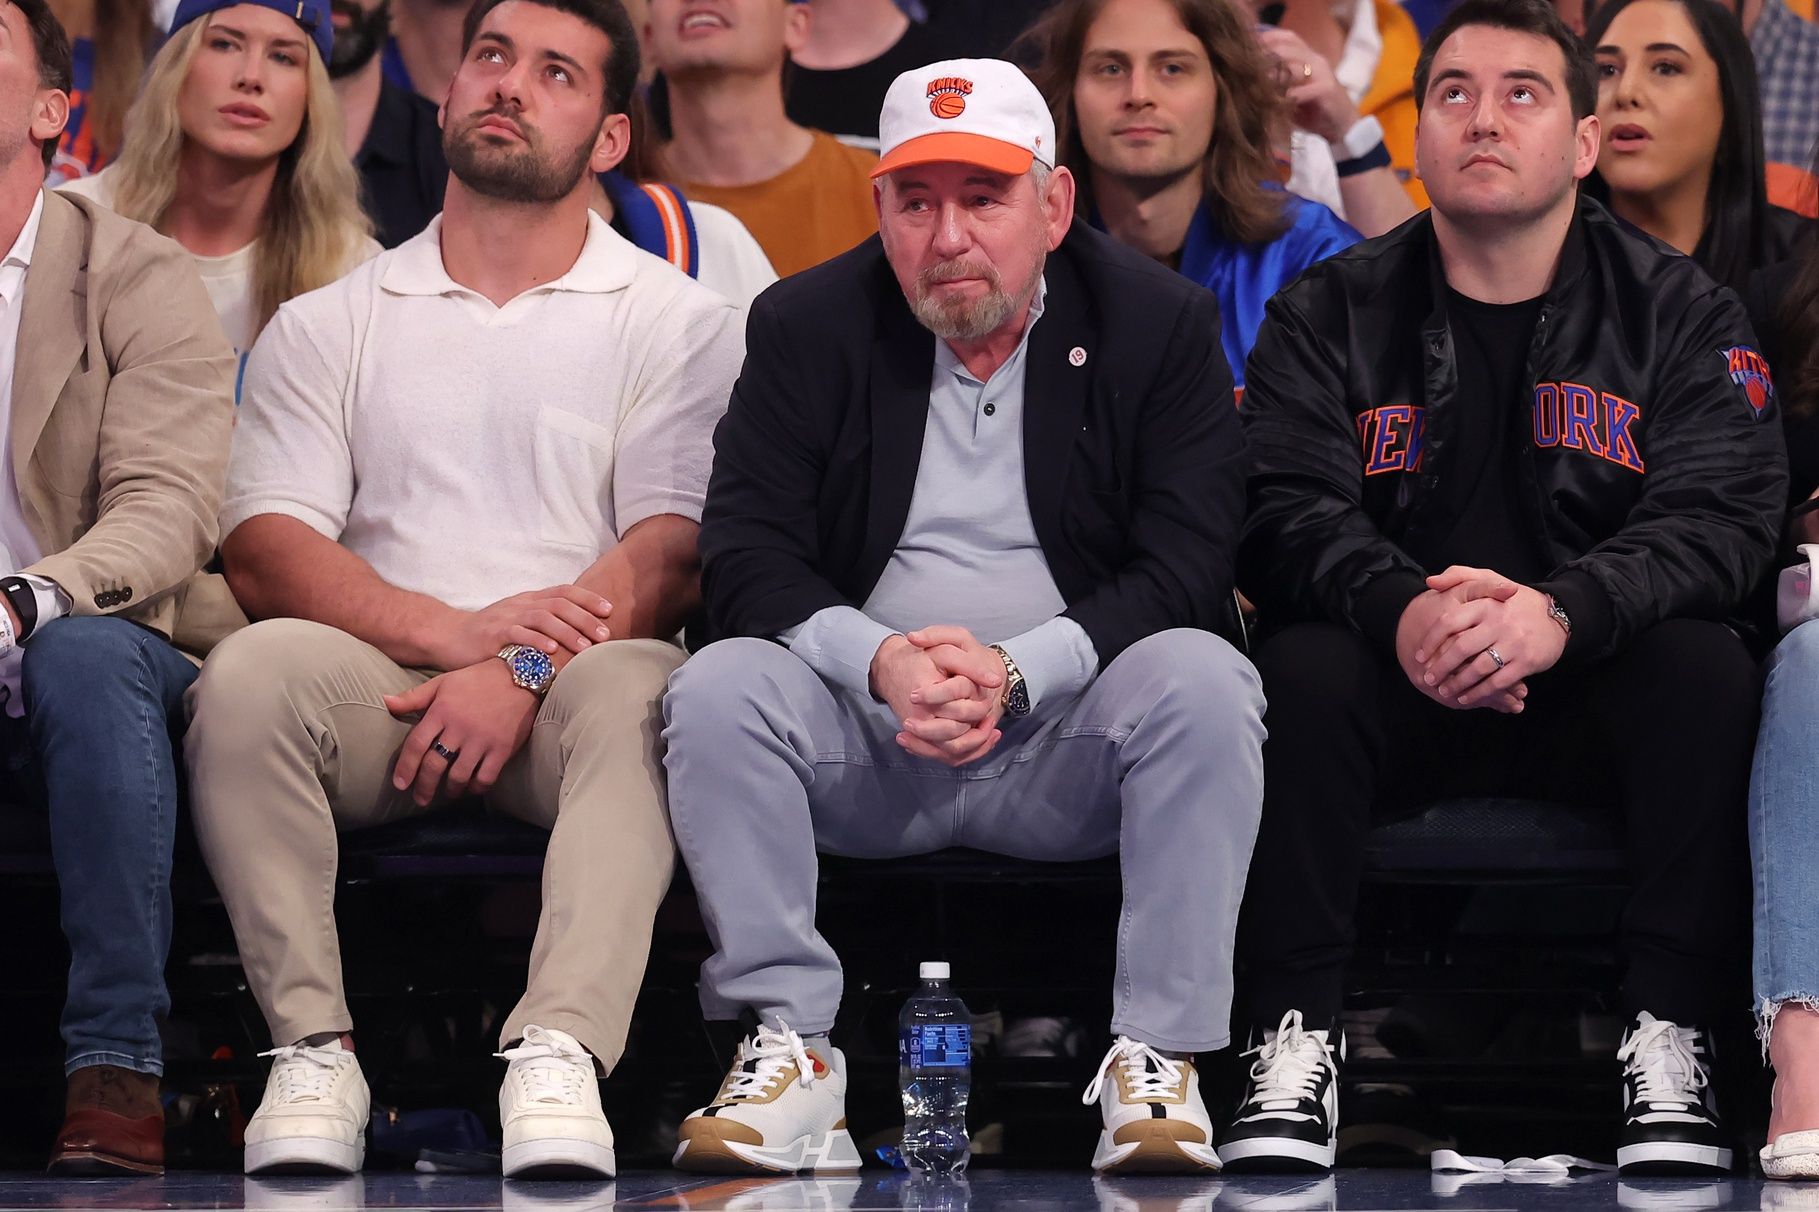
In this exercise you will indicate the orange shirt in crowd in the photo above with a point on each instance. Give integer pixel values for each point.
(809, 213)
(1391, 97)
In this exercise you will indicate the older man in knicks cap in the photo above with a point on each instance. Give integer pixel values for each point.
(970, 527)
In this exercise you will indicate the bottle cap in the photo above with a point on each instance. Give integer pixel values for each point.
(935, 971)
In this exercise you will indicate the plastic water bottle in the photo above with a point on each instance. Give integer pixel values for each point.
(935, 1069)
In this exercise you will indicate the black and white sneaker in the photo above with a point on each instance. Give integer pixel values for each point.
(1288, 1118)
(1670, 1119)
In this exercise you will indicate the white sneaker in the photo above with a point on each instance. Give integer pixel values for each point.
(782, 1109)
(549, 1110)
(312, 1119)
(1155, 1121)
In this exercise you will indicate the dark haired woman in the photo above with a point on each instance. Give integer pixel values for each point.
(1681, 123)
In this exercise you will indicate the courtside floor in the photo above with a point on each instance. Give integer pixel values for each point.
(984, 1191)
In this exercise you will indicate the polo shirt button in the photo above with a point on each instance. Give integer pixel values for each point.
(126, 595)
(990, 409)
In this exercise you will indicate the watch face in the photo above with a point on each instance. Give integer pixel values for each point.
(532, 666)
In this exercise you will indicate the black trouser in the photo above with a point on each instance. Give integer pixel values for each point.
(1660, 733)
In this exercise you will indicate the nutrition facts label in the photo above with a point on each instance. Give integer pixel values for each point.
(938, 1046)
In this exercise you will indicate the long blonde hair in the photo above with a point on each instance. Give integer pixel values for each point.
(314, 226)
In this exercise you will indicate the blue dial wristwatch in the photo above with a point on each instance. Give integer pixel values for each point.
(531, 669)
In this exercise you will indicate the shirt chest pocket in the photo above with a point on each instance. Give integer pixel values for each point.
(574, 465)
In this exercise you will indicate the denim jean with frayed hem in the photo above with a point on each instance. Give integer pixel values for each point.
(1784, 830)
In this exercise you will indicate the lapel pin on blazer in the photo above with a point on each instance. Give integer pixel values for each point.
(1076, 356)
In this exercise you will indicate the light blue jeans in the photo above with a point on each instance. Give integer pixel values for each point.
(1784, 830)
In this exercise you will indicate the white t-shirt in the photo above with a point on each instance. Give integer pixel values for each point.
(729, 258)
(470, 452)
(229, 278)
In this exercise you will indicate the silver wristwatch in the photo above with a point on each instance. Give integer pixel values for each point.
(1557, 612)
(532, 670)
(1016, 692)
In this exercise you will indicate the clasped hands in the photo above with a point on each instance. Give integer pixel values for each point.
(476, 712)
(1446, 637)
(947, 691)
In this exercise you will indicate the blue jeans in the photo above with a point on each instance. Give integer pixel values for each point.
(1784, 829)
(102, 698)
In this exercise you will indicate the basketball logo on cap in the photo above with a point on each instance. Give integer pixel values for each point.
(947, 96)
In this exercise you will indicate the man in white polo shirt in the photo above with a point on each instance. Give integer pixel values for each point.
(515, 399)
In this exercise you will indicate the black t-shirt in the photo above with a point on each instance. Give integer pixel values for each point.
(1490, 416)
(845, 103)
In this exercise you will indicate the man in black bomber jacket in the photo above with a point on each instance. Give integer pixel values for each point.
(1513, 465)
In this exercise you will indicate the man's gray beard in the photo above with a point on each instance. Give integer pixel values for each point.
(514, 175)
(965, 321)
(968, 321)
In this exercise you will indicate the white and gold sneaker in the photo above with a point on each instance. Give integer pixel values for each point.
(1155, 1120)
(781, 1110)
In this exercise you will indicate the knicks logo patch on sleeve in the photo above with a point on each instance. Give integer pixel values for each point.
(1749, 371)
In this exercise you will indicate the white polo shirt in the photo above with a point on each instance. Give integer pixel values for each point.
(470, 452)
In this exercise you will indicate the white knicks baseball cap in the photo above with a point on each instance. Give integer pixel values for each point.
(965, 111)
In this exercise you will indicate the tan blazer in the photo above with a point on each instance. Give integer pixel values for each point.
(122, 411)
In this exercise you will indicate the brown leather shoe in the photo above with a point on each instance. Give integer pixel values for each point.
(113, 1124)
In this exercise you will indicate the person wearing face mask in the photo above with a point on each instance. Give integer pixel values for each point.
(1680, 128)
(235, 150)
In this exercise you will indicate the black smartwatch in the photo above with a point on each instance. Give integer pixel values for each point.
(24, 600)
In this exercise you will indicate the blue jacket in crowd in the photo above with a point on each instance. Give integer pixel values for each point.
(1244, 276)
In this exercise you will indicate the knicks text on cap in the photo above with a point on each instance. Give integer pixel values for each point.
(983, 112)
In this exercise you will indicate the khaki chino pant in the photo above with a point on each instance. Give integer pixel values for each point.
(290, 742)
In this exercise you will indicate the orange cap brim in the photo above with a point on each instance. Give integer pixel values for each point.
(958, 147)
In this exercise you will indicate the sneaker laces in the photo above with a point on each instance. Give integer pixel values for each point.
(1660, 1055)
(1148, 1074)
(1288, 1067)
(302, 1074)
(763, 1057)
(549, 1068)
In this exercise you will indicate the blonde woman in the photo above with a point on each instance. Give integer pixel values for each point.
(235, 150)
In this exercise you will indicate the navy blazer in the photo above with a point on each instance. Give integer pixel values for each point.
(1134, 459)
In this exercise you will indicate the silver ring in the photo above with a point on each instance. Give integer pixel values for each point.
(449, 754)
(1489, 652)
(1307, 71)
